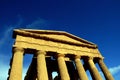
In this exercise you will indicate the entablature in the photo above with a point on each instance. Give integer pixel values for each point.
(48, 45)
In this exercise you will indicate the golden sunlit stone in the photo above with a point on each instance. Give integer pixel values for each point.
(55, 51)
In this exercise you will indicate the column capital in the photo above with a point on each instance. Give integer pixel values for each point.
(40, 52)
(90, 58)
(101, 58)
(77, 56)
(20, 49)
(60, 55)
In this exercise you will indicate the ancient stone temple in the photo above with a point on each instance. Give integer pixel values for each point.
(59, 51)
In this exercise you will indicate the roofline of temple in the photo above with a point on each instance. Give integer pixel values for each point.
(27, 32)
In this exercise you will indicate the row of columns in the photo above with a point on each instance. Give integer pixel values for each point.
(42, 73)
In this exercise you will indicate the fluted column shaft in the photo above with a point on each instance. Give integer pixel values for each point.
(17, 63)
(62, 67)
(105, 71)
(41, 66)
(81, 72)
(93, 70)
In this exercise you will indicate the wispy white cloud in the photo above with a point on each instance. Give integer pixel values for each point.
(115, 70)
(4, 66)
(6, 35)
(37, 24)
(8, 30)
(4, 72)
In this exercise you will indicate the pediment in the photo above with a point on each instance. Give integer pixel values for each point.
(56, 35)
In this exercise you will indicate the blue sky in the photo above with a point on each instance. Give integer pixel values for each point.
(97, 21)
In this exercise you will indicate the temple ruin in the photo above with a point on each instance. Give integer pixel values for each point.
(68, 55)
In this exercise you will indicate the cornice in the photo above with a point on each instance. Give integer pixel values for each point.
(38, 36)
(59, 33)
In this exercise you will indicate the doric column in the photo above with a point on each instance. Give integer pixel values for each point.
(17, 63)
(62, 67)
(81, 72)
(105, 71)
(41, 66)
(93, 69)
